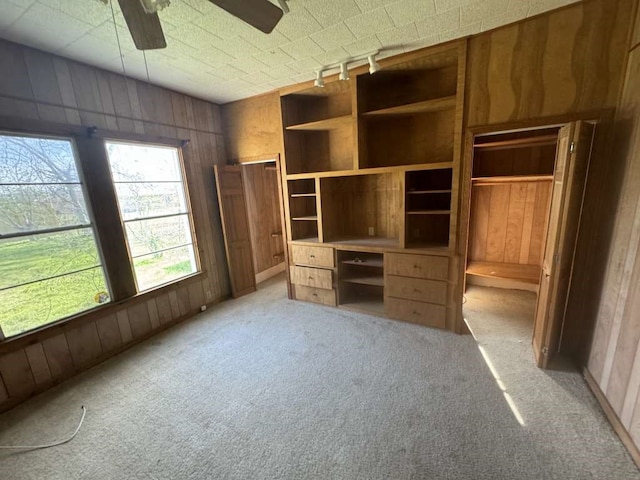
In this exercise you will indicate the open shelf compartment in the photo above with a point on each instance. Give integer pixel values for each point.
(303, 209)
(361, 281)
(428, 208)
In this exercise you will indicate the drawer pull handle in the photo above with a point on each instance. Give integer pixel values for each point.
(310, 278)
(416, 290)
(416, 267)
(315, 294)
(416, 313)
(312, 256)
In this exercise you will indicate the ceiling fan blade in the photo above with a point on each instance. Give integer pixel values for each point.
(260, 14)
(145, 28)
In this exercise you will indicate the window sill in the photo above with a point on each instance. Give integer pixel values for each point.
(54, 328)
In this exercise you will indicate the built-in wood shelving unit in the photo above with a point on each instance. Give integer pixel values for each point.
(370, 166)
(512, 271)
(479, 181)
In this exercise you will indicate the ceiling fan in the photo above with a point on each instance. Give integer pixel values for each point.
(144, 24)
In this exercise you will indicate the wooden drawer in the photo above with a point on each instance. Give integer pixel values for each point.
(418, 266)
(316, 295)
(419, 289)
(426, 314)
(314, 256)
(312, 277)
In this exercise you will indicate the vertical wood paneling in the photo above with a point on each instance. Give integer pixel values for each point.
(109, 333)
(515, 223)
(58, 355)
(38, 363)
(139, 320)
(497, 227)
(16, 373)
(84, 344)
(77, 94)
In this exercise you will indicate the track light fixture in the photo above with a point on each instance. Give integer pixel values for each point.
(344, 73)
(374, 67)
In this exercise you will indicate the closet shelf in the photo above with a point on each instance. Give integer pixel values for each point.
(479, 181)
(313, 218)
(520, 142)
(511, 271)
(370, 171)
(429, 212)
(301, 195)
(423, 192)
(434, 105)
(327, 124)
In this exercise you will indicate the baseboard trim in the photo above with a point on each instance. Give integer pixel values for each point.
(611, 415)
(270, 272)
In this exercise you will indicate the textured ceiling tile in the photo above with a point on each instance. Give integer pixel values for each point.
(92, 12)
(306, 65)
(369, 22)
(399, 36)
(175, 47)
(248, 65)
(305, 47)
(329, 12)
(214, 57)
(333, 37)
(9, 13)
(283, 71)
(98, 49)
(179, 13)
(298, 23)
(237, 47)
(504, 18)
(443, 5)
(540, 6)
(422, 42)
(222, 24)
(480, 10)
(274, 58)
(39, 15)
(263, 41)
(406, 11)
(442, 22)
(466, 30)
(371, 4)
(195, 37)
(106, 32)
(332, 56)
(364, 45)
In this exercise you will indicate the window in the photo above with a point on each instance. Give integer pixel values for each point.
(50, 265)
(153, 207)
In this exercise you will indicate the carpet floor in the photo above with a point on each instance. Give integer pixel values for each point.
(267, 388)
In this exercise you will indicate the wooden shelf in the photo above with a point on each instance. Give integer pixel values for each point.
(373, 280)
(327, 124)
(302, 195)
(425, 192)
(520, 142)
(480, 181)
(429, 212)
(371, 242)
(305, 219)
(511, 271)
(373, 263)
(434, 105)
(431, 246)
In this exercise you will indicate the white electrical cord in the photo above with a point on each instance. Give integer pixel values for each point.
(55, 444)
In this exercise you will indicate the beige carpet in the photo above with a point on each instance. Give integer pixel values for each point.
(267, 388)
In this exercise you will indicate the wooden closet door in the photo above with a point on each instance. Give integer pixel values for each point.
(570, 174)
(235, 227)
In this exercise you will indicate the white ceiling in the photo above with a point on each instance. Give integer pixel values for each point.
(213, 55)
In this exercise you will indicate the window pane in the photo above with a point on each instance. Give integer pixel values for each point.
(36, 160)
(148, 236)
(31, 306)
(37, 257)
(139, 200)
(28, 208)
(143, 163)
(164, 267)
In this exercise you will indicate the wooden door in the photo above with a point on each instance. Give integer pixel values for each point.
(235, 227)
(570, 174)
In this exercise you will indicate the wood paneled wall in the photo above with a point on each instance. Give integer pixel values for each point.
(569, 60)
(614, 362)
(253, 127)
(40, 86)
(508, 222)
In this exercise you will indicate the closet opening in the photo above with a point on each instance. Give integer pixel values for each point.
(525, 202)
